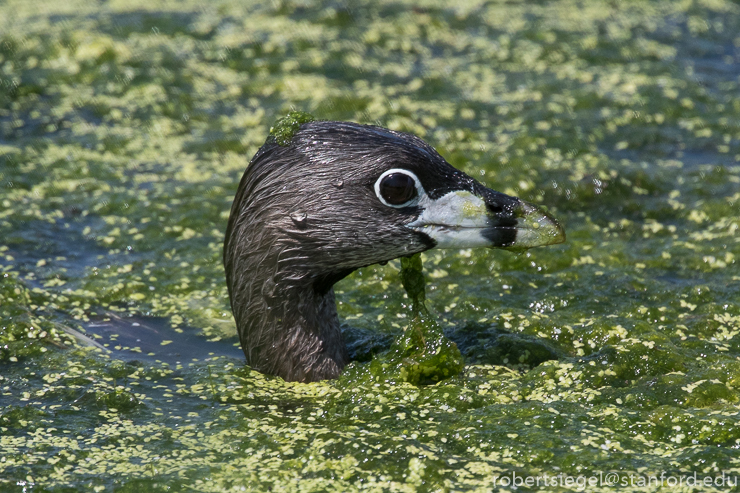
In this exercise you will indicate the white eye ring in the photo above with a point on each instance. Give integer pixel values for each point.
(419, 189)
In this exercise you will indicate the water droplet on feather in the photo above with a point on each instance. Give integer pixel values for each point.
(299, 218)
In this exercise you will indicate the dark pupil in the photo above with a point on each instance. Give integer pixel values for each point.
(397, 188)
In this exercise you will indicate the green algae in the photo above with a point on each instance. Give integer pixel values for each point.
(287, 126)
(125, 128)
(422, 354)
(412, 279)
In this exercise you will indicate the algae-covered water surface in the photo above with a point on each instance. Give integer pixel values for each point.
(614, 357)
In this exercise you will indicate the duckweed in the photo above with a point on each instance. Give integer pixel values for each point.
(286, 127)
(124, 130)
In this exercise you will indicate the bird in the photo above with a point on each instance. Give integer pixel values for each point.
(330, 198)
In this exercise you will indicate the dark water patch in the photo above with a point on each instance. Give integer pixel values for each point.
(363, 344)
(694, 159)
(132, 337)
(61, 246)
(489, 345)
(166, 23)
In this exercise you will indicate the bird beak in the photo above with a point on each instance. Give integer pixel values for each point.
(462, 219)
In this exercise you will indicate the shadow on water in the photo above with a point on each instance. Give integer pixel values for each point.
(488, 345)
(481, 344)
(362, 344)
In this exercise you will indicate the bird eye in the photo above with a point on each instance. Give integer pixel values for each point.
(397, 188)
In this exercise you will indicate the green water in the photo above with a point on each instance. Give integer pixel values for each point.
(124, 130)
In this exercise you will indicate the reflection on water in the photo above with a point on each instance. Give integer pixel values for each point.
(154, 339)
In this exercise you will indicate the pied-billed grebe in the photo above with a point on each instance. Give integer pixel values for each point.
(334, 197)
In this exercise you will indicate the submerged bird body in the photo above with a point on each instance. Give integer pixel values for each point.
(337, 197)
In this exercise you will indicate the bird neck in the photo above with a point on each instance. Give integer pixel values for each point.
(289, 325)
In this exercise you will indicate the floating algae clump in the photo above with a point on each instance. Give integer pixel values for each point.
(422, 354)
(286, 127)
